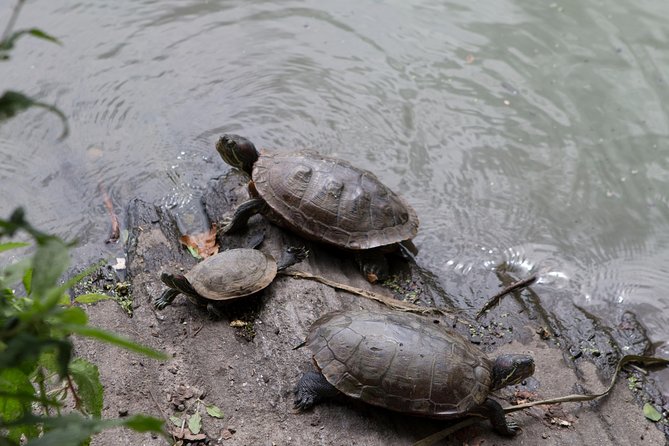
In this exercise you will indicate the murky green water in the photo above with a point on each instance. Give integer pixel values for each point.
(530, 132)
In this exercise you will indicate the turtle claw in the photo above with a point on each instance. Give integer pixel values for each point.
(303, 400)
(512, 428)
(291, 256)
(224, 226)
(165, 299)
(298, 252)
(312, 388)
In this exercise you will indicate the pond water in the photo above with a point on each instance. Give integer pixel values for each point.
(532, 133)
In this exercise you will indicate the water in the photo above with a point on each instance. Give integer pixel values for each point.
(532, 133)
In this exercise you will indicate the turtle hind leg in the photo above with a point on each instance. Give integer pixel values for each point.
(213, 311)
(312, 388)
(494, 412)
(242, 214)
(373, 264)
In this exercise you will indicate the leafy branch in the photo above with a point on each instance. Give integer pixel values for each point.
(13, 102)
(38, 370)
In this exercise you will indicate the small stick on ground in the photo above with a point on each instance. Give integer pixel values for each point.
(115, 232)
(386, 300)
(647, 361)
(493, 301)
(162, 412)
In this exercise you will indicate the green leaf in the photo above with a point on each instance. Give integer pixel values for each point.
(24, 349)
(49, 263)
(9, 42)
(142, 423)
(71, 315)
(112, 338)
(651, 412)
(178, 422)
(13, 380)
(73, 429)
(73, 281)
(91, 298)
(87, 378)
(36, 32)
(12, 245)
(214, 411)
(195, 423)
(194, 253)
(28, 279)
(12, 103)
(13, 273)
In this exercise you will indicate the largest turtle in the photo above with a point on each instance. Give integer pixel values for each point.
(321, 198)
(406, 363)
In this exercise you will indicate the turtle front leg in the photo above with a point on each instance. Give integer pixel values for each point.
(291, 256)
(242, 214)
(312, 388)
(494, 412)
(165, 299)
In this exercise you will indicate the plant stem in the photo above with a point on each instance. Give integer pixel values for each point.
(77, 400)
(12, 20)
(42, 390)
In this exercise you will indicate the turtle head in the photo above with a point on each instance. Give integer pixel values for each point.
(237, 151)
(511, 369)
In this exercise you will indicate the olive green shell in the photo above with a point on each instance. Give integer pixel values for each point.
(232, 274)
(400, 361)
(330, 200)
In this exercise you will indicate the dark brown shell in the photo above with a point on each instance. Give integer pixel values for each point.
(400, 361)
(232, 274)
(330, 200)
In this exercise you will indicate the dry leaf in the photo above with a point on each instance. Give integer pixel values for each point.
(185, 434)
(201, 245)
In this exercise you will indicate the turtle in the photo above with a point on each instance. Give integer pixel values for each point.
(323, 199)
(406, 363)
(226, 276)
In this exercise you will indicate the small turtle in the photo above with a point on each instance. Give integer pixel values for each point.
(225, 276)
(404, 362)
(323, 199)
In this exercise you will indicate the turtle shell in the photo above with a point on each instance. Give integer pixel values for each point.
(232, 274)
(328, 199)
(400, 361)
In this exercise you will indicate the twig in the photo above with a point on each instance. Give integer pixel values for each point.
(162, 412)
(493, 301)
(115, 232)
(384, 299)
(574, 398)
(77, 400)
(432, 439)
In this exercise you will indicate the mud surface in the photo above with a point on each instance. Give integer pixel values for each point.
(245, 364)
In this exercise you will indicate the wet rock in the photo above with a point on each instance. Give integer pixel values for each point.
(211, 354)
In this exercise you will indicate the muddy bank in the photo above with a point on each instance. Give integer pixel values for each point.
(245, 364)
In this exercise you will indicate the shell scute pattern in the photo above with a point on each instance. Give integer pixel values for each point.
(239, 272)
(330, 200)
(402, 364)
